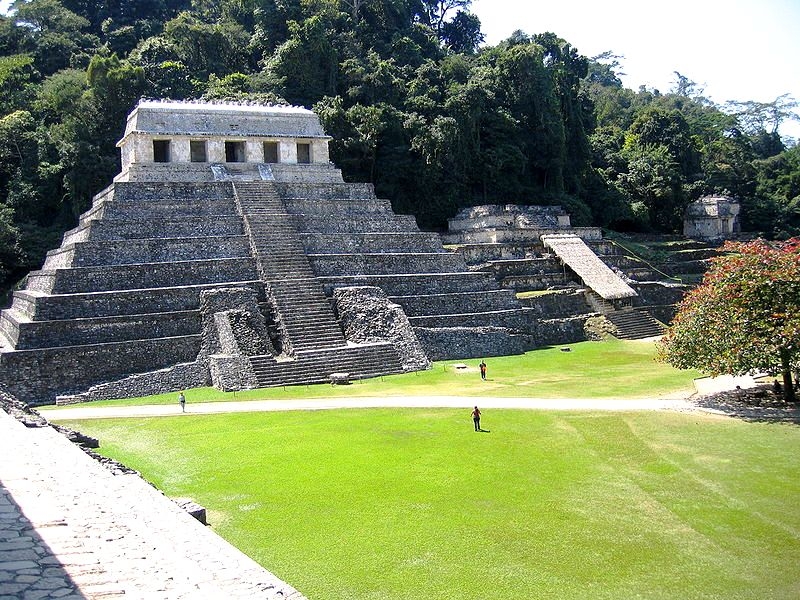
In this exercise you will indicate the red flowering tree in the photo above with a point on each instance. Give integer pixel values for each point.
(744, 317)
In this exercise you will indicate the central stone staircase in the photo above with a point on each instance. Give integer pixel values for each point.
(313, 345)
(353, 238)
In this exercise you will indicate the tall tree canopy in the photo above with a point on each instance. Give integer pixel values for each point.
(413, 101)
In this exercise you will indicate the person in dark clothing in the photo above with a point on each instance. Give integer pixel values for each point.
(476, 418)
(483, 369)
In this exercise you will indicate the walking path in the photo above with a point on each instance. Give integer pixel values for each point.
(98, 412)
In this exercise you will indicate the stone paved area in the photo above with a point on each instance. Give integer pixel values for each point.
(85, 533)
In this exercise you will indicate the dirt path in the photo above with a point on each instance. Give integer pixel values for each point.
(612, 404)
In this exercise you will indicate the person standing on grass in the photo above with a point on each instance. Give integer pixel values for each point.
(182, 401)
(476, 418)
(483, 370)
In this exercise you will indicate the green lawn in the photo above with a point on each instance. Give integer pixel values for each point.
(412, 504)
(613, 368)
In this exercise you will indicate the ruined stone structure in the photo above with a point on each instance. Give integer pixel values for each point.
(712, 218)
(214, 257)
(536, 249)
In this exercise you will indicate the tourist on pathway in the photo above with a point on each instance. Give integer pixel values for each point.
(182, 401)
(483, 369)
(476, 418)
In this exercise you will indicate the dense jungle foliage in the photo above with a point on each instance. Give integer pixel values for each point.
(415, 103)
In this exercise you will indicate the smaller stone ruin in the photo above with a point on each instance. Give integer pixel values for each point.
(711, 219)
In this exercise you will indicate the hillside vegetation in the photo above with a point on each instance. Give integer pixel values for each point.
(416, 104)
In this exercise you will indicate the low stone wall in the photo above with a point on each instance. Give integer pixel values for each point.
(517, 320)
(367, 316)
(172, 379)
(454, 343)
(232, 323)
(231, 373)
(655, 293)
(558, 304)
(570, 330)
(483, 253)
(512, 235)
(40, 375)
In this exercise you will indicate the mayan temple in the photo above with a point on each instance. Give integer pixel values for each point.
(230, 251)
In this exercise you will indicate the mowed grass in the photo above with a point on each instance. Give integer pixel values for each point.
(613, 368)
(413, 504)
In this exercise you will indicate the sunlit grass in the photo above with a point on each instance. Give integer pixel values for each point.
(613, 368)
(412, 504)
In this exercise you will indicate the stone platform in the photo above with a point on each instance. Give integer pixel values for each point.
(72, 529)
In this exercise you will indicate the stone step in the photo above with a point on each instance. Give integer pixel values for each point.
(316, 367)
(142, 192)
(524, 267)
(150, 275)
(339, 206)
(511, 319)
(417, 283)
(438, 304)
(351, 243)
(324, 191)
(113, 229)
(121, 252)
(167, 210)
(356, 224)
(635, 324)
(27, 334)
(38, 306)
(535, 283)
(385, 264)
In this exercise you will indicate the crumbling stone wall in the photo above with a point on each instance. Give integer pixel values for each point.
(367, 315)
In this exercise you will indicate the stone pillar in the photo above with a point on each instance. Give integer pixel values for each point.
(216, 151)
(179, 148)
(319, 152)
(254, 151)
(288, 151)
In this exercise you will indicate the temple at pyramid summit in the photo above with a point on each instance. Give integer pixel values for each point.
(229, 251)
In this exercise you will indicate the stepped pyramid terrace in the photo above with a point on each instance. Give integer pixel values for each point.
(230, 251)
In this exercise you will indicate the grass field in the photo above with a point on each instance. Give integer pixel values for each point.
(413, 504)
(613, 368)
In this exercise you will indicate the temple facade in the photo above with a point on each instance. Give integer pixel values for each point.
(201, 141)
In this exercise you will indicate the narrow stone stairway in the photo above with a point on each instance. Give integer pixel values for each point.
(635, 324)
(306, 314)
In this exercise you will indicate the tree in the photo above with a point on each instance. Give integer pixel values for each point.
(744, 317)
